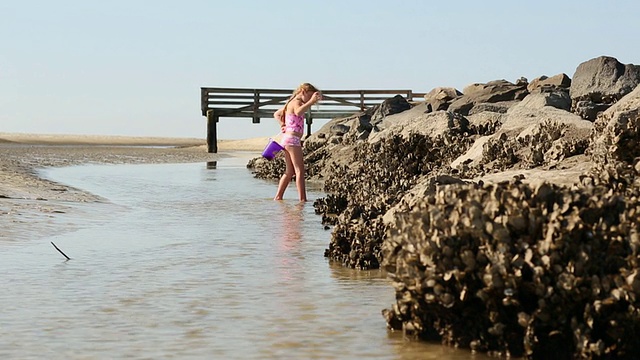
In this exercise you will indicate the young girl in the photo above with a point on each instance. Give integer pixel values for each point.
(291, 119)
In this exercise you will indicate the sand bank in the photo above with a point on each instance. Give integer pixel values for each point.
(29, 204)
(106, 140)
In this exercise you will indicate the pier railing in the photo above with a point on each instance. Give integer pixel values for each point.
(262, 103)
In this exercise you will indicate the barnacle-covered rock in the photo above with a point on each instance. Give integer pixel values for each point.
(380, 174)
(544, 265)
(615, 142)
(267, 169)
(532, 134)
(509, 269)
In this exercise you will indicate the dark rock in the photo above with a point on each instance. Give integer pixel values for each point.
(588, 109)
(602, 80)
(388, 107)
(522, 81)
(339, 129)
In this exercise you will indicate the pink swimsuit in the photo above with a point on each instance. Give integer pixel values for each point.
(293, 123)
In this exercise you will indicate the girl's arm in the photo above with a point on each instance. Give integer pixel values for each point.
(299, 108)
(279, 115)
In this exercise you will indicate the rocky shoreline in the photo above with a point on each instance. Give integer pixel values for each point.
(506, 214)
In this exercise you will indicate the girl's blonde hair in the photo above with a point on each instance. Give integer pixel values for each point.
(303, 87)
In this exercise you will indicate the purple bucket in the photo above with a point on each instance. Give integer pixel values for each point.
(271, 149)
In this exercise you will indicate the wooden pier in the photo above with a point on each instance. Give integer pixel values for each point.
(262, 103)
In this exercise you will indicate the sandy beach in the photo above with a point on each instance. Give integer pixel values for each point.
(29, 204)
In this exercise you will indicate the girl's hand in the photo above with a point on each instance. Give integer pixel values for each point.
(317, 96)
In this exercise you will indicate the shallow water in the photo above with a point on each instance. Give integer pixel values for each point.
(192, 261)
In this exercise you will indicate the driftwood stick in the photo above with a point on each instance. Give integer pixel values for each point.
(65, 255)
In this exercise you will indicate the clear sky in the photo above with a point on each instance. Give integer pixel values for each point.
(133, 67)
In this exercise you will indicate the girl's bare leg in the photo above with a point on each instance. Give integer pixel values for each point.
(295, 153)
(285, 179)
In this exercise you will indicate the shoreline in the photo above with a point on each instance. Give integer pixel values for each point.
(256, 144)
(30, 203)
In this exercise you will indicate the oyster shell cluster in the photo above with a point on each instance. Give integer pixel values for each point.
(520, 271)
(360, 193)
(547, 143)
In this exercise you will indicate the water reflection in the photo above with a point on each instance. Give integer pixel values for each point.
(212, 164)
(343, 273)
(289, 238)
(292, 216)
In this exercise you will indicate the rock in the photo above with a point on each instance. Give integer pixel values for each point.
(601, 81)
(615, 140)
(525, 254)
(558, 99)
(543, 83)
(339, 129)
(500, 107)
(430, 124)
(531, 133)
(588, 109)
(491, 92)
(439, 98)
(375, 179)
(473, 154)
(394, 105)
(486, 122)
(513, 230)
(357, 127)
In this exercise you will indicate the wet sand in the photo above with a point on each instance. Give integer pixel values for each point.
(30, 206)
